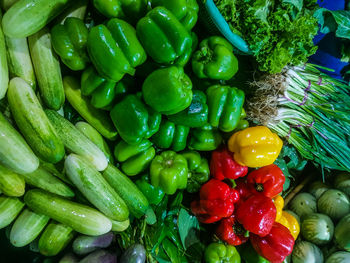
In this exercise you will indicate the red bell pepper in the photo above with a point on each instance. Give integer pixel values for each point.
(216, 201)
(230, 231)
(242, 188)
(222, 165)
(257, 214)
(276, 246)
(267, 180)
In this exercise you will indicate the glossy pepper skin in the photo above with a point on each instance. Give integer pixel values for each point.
(267, 180)
(249, 255)
(257, 214)
(255, 146)
(132, 9)
(205, 138)
(196, 115)
(198, 170)
(278, 201)
(103, 91)
(290, 222)
(216, 201)
(222, 165)
(134, 158)
(168, 90)
(69, 41)
(186, 11)
(231, 232)
(153, 194)
(163, 37)
(220, 253)
(225, 106)
(215, 59)
(169, 172)
(171, 136)
(276, 245)
(114, 49)
(133, 120)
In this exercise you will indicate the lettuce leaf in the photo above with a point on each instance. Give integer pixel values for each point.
(334, 21)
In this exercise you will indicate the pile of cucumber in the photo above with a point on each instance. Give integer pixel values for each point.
(324, 215)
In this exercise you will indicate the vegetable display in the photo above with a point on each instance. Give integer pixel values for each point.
(137, 131)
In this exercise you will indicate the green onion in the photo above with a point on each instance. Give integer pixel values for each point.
(307, 108)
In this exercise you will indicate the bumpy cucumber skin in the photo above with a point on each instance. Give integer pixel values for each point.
(133, 197)
(15, 153)
(54, 239)
(96, 117)
(27, 17)
(77, 142)
(95, 188)
(27, 227)
(47, 69)
(33, 122)
(81, 218)
(10, 207)
(19, 60)
(11, 184)
(4, 71)
(42, 179)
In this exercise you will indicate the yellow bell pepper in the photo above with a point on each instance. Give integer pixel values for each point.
(279, 204)
(255, 146)
(291, 223)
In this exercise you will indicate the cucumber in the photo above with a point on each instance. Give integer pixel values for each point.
(19, 60)
(120, 226)
(27, 17)
(47, 69)
(133, 197)
(81, 218)
(97, 118)
(69, 258)
(54, 239)
(95, 137)
(76, 9)
(85, 244)
(77, 142)
(10, 207)
(95, 188)
(11, 184)
(33, 122)
(6, 4)
(27, 227)
(15, 153)
(42, 179)
(4, 71)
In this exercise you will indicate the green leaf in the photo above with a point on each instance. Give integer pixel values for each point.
(195, 253)
(334, 21)
(188, 228)
(171, 250)
(298, 4)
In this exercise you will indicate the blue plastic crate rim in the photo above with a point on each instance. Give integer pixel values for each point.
(220, 23)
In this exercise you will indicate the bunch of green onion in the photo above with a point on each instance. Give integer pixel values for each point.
(307, 108)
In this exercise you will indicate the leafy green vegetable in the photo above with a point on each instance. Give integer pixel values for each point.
(283, 29)
(334, 21)
(188, 228)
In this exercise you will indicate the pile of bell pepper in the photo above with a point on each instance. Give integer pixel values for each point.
(245, 204)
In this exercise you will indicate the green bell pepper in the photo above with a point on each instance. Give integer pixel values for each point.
(134, 120)
(130, 9)
(168, 90)
(220, 253)
(169, 171)
(162, 35)
(153, 194)
(186, 11)
(196, 115)
(171, 136)
(198, 170)
(249, 254)
(114, 49)
(134, 158)
(103, 91)
(215, 59)
(206, 138)
(225, 106)
(69, 41)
